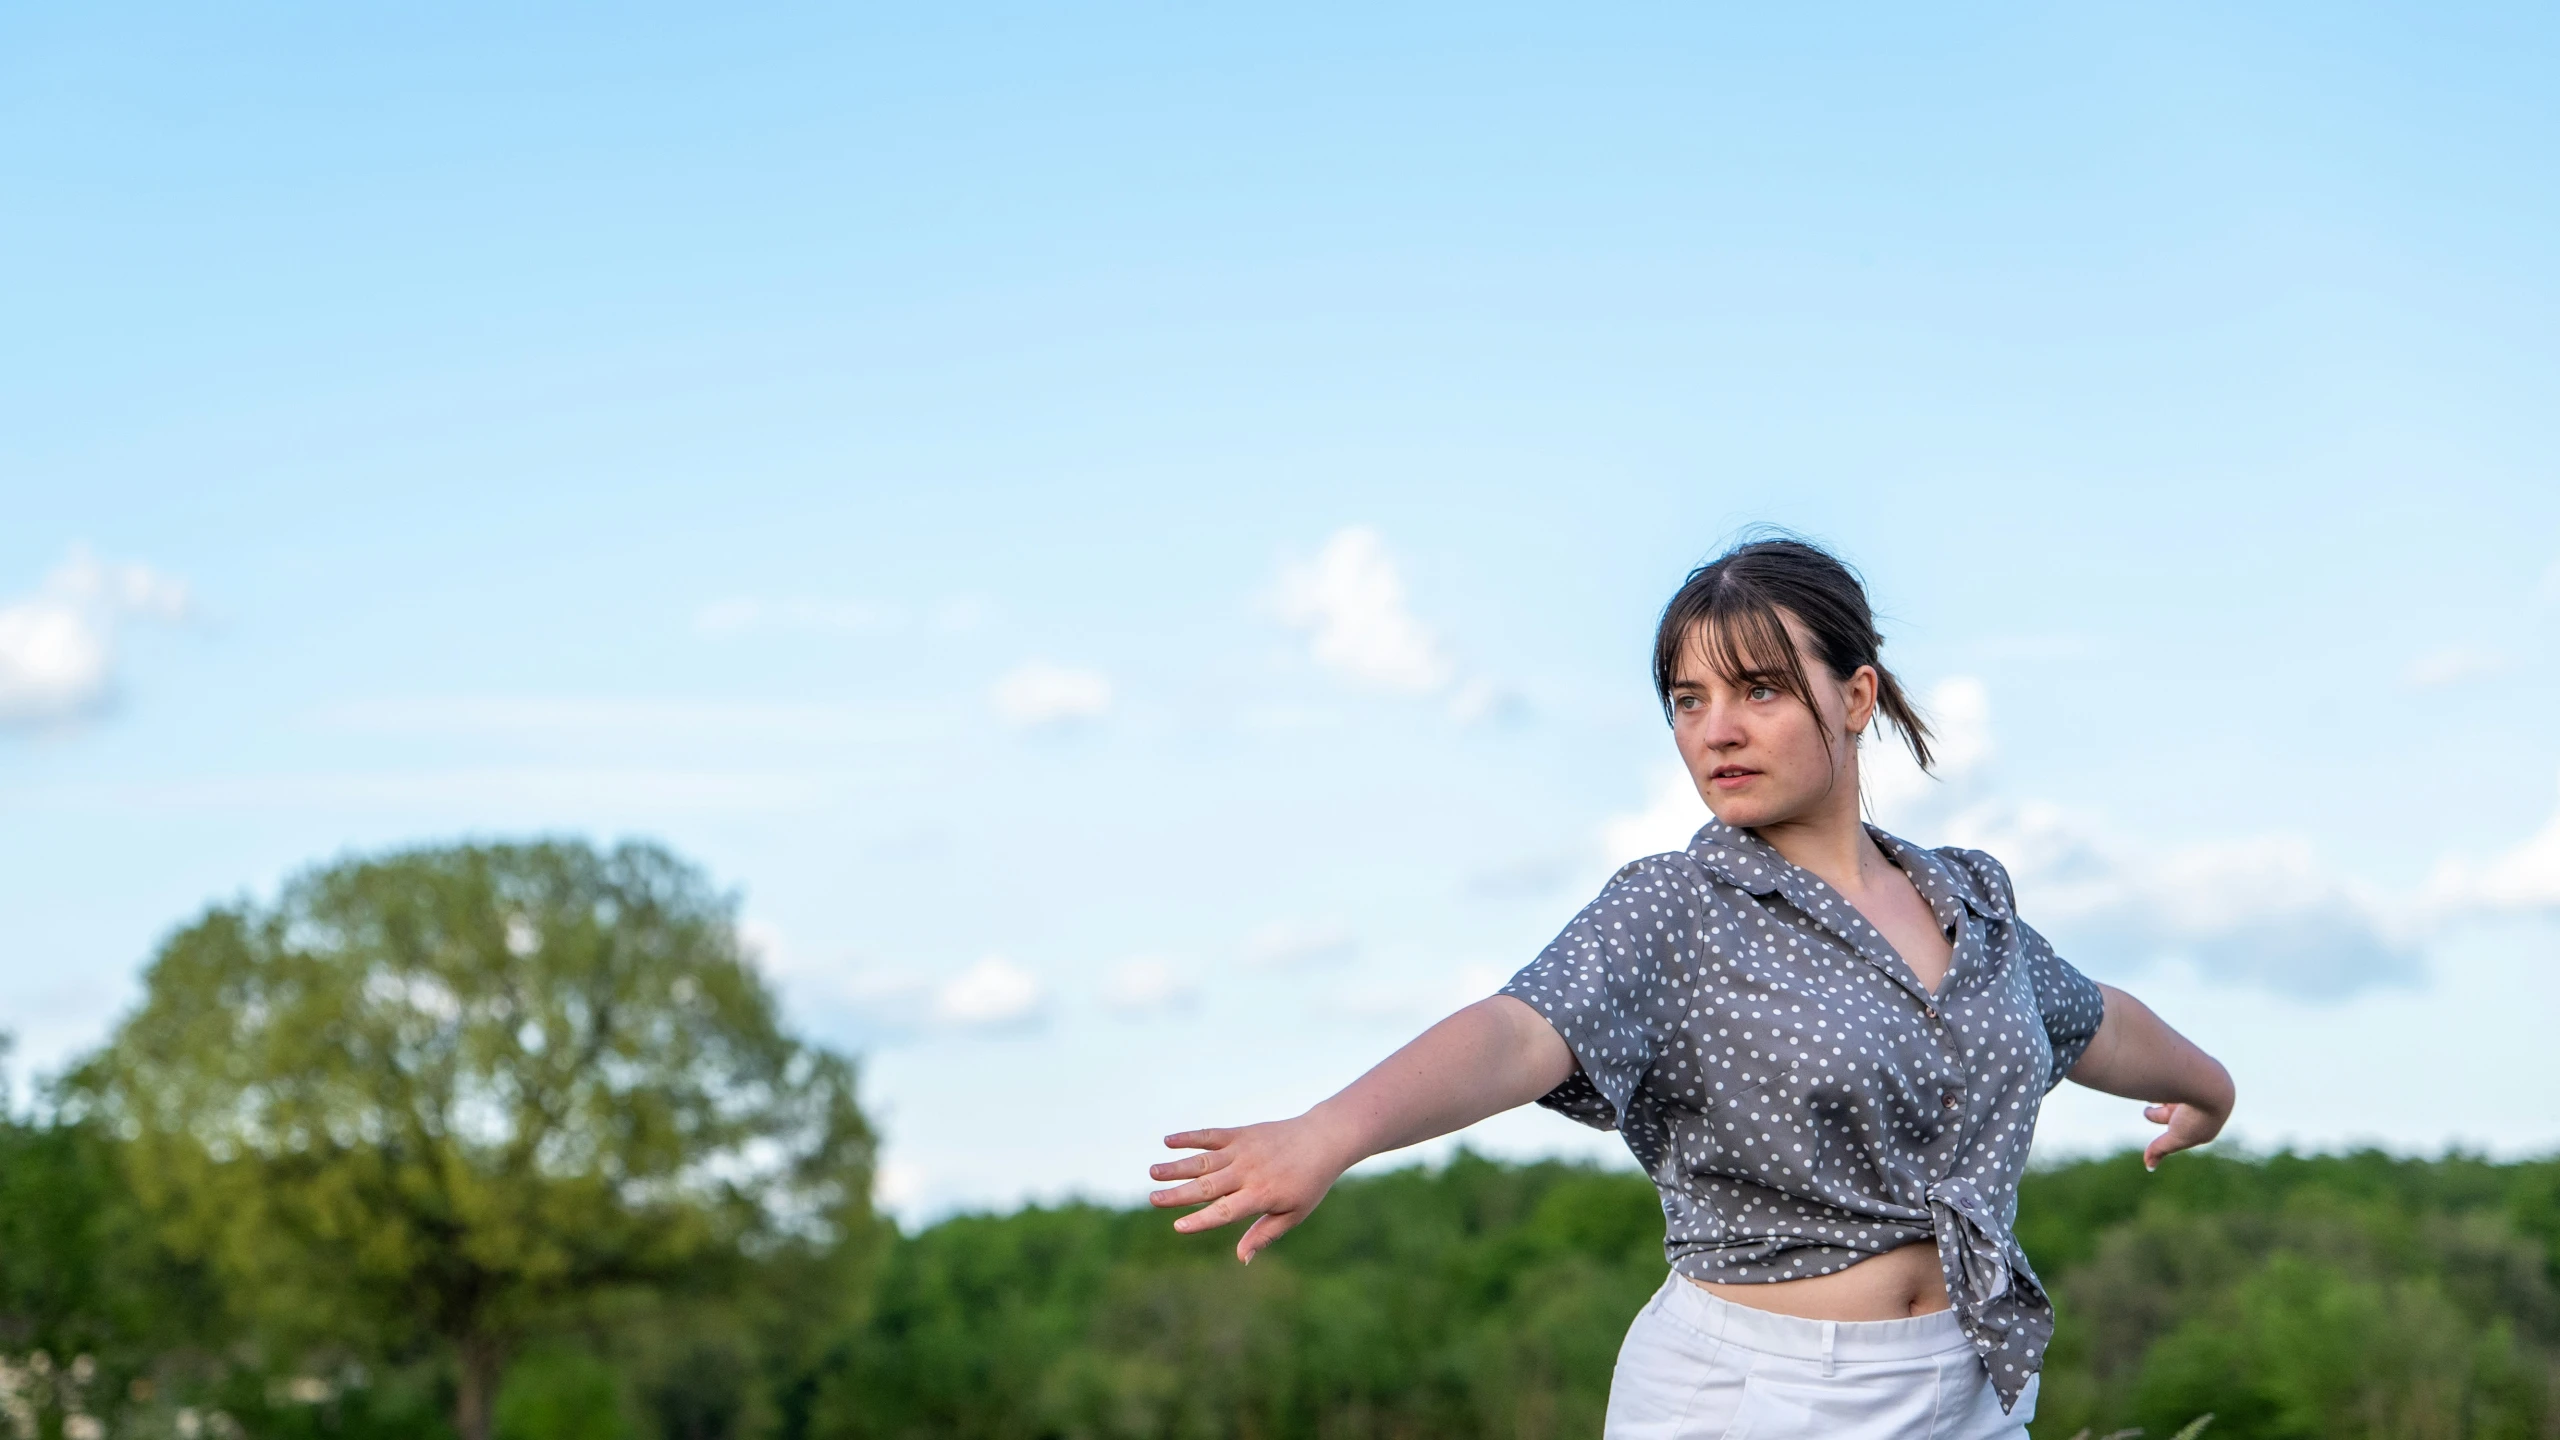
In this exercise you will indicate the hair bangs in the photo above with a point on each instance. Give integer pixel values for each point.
(1743, 640)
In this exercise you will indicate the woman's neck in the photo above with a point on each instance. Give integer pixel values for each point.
(1828, 840)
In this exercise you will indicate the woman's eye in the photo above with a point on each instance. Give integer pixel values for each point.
(1764, 692)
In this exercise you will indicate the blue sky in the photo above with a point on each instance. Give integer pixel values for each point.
(1130, 537)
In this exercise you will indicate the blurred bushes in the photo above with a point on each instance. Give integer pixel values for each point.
(2290, 1296)
(2299, 1296)
(1480, 1300)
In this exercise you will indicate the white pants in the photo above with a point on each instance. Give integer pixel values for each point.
(1696, 1367)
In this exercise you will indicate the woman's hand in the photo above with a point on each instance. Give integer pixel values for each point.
(2136, 1055)
(2189, 1126)
(1276, 1172)
(1492, 1055)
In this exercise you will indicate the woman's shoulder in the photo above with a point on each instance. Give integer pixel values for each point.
(1671, 870)
(1981, 873)
(1653, 884)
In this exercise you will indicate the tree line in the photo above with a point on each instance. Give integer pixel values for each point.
(510, 1141)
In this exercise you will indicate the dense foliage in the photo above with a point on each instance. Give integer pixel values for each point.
(506, 1138)
(447, 1103)
(2289, 1296)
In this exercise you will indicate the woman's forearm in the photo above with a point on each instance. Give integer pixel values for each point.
(2136, 1055)
(1493, 1055)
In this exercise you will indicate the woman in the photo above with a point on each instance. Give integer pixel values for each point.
(1826, 1045)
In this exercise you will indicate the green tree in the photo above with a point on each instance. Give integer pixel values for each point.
(455, 1097)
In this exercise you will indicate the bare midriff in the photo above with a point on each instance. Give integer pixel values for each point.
(1892, 1286)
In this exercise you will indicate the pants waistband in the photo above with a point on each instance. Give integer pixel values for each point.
(1720, 1319)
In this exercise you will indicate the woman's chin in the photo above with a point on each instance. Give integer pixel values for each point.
(1750, 812)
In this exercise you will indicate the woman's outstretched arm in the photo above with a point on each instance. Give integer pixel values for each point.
(1487, 1058)
(2136, 1055)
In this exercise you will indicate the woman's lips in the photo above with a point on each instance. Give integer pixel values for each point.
(1732, 779)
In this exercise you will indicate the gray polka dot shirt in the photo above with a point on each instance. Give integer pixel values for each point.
(1799, 1098)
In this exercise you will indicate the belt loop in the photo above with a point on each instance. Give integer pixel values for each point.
(1830, 1332)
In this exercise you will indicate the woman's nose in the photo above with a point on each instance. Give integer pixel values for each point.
(1720, 728)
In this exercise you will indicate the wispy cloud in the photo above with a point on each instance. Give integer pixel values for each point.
(1039, 694)
(1287, 945)
(2522, 880)
(1149, 985)
(895, 1005)
(1349, 601)
(2452, 666)
(58, 645)
(994, 994)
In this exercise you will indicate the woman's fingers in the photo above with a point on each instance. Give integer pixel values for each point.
(1260, 1188)
(1207, 1187)
(1226, 1211)
(1265, 1230)
(2188, 1127)
(1192, 1166)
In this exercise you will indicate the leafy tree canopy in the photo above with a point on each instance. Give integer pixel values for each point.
(451, 1095)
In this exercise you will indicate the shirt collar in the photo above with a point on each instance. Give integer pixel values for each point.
(1738, 857)
(1745, 861)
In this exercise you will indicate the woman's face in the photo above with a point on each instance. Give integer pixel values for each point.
(1755, 751)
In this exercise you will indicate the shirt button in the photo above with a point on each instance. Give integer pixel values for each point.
(1948, 1100)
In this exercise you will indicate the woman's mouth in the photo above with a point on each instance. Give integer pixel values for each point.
(1730, 777)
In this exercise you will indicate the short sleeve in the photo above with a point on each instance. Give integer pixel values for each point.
(1600, 983)
(2072, 1004)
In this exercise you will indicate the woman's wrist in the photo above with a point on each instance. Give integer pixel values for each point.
(1336, 1137)
(2214, 1092)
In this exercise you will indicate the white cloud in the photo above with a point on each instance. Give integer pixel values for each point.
(895, 1005)
(1288, 946)
(1666, 822)
(1040, 694)
(58, 645)
(994, 994)
(2258, 909)
(1148, 985)
(1893, 785)
(2452, 666)
(1350, 601)
(2524, 880)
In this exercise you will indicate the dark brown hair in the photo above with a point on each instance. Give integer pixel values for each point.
(1733, 604)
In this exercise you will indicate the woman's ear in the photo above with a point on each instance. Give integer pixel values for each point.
(1860, 692)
